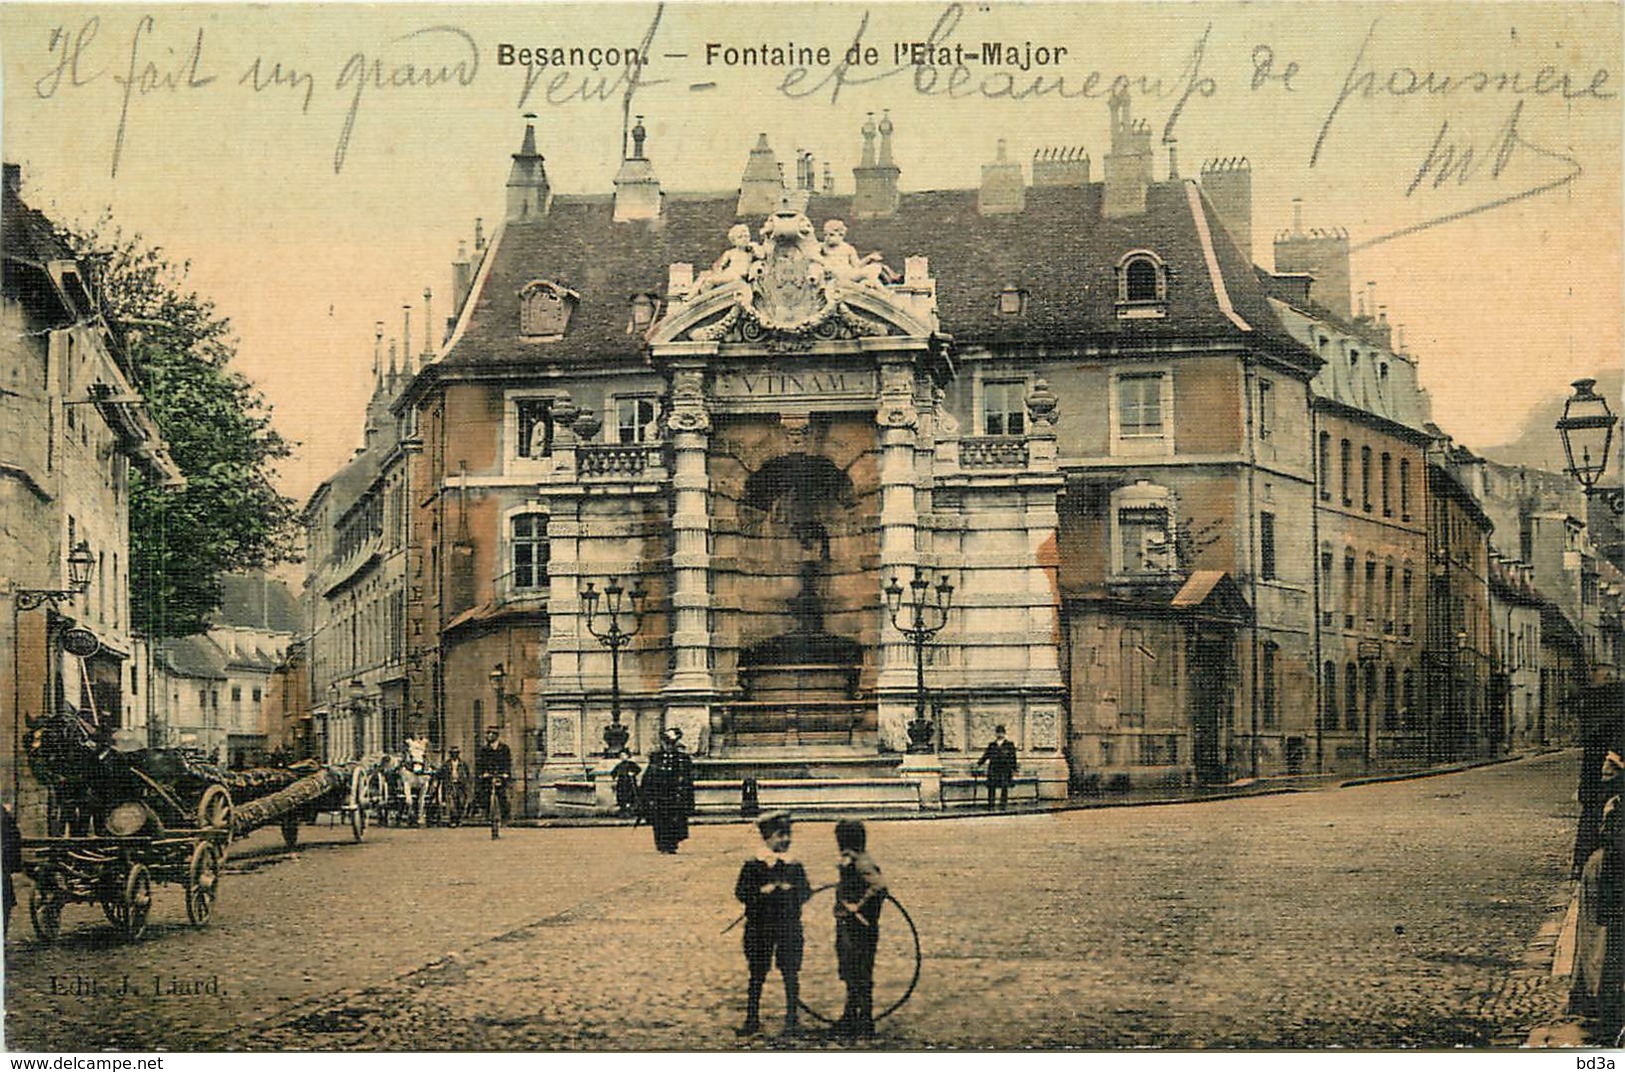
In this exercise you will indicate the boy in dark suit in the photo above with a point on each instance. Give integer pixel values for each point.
(860, 893)
(772, 887)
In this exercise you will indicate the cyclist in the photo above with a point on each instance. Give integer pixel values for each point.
(493, 766)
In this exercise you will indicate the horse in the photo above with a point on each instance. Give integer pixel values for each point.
(416, 777)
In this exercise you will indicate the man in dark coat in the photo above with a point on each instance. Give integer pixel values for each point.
(625, 774)
(454, 779)
(668, 791)
(1000, 757)
(494, 763)
(11, 844)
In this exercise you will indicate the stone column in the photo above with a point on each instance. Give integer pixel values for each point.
(898, 419)
(690, 690)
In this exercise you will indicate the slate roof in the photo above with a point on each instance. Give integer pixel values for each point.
(254, 601)
(193, 656)
(1060, 249)
(26, 233)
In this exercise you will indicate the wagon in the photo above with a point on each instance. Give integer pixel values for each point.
(119, 873)
(122, 822)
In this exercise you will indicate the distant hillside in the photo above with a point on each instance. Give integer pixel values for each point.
(1538, 445)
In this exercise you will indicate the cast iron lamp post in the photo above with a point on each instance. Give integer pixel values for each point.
(614, 636)
(919, 619)
(1587, 431)
(80, 564)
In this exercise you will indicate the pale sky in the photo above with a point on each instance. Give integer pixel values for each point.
(1503, 305)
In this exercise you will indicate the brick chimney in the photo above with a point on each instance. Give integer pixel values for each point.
(637, 191)
(528, 193)
(1061, 166)
(1228, 185)
(1003, 189)
(876, 178)
(761, 186)
(1322, 254)
(14, 177)
(1128, 165)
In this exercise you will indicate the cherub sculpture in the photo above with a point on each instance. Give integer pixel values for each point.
(843, 263)
(736, 267)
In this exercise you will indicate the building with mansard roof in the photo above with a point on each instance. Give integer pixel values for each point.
(1067, 402)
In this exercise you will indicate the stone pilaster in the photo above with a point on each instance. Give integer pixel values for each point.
(898, 419)
(690, 690)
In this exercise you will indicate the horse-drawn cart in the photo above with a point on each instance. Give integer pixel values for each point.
(124, 821)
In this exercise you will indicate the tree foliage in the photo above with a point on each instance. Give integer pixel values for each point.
(229, 517)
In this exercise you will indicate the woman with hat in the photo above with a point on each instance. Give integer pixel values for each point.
(668, 791)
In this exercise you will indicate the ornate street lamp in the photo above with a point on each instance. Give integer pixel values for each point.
(614, 636)
(919, 619)
(80, 564)
(1587, 431)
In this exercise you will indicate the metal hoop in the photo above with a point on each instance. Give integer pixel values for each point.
(913, 982)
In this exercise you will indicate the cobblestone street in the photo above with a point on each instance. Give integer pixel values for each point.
(1388, 915)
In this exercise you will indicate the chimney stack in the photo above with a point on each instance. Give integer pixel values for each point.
(528, 193)
(761, 186)
(14, 177)
(1061, 166)
(876, 179)
(637, 191)
(1228, 185)
(1002, 187)
(1323, 254)
(1128, 165)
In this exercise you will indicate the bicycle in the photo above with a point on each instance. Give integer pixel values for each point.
(494, 799)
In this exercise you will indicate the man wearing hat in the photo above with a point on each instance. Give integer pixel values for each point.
(494, 763)
(453, 775)
(668, 791)
(1000, 757)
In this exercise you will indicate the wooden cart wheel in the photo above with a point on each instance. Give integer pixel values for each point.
(137, 900)
(45, 911)
(290, 831)
(214, 812)
(202, 883)
(358, 822)
(377, 796)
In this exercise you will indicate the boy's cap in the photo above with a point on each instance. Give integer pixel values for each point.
(772, 822)
(999, 728)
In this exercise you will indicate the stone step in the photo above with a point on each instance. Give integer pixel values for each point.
(767, 764)
(812, 794)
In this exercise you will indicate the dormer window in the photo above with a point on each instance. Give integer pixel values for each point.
(1012, 301)
(1142, 285)
(644, 309)
(545, 309)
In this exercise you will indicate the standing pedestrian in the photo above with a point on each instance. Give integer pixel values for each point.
(493, 766)
(11, 846)
(454, 783)
(668, 791)
(1598, 993)
(860, 893)
(625, 774)
(1000, 757)
(773, 886)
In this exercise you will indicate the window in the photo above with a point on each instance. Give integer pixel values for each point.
(1328, 691)
(1012, 301)
(1390, 698)
(1370, 691)
(535, 427)
(529, 551)
(1346, 460)
(1387, 467)
(1004, 408)
(1266, 408)
(236, 694)
(545, 309)
(1132, 659)
(1351, 697)
(1370, 590)
(1407, 711)
(1142, 285)
(633, 419)
(1365, 479)
(1348, 589)
(257, 695)
(1143, 541)
(1405, 490)
(1267, 697)
(1140, 279)
(1388, 597)
(1326, 584)
(1266, 546)
(1325, 466)
(1143, 402)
